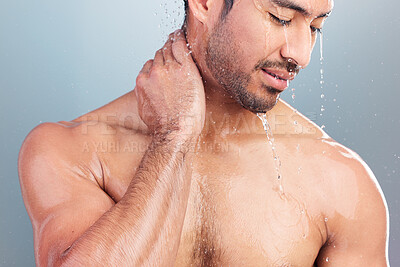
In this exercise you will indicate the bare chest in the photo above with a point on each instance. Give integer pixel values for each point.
(236, 216)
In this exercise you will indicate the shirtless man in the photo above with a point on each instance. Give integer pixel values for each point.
(179, 171)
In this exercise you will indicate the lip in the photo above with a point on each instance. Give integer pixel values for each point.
(277, 79)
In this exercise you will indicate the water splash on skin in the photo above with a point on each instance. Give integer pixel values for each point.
(271, 141)
(286, 39)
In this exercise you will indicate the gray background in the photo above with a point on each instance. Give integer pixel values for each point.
(60, 59)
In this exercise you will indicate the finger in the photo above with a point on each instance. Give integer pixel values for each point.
(167, 51)
(159, 58)
(180, 48)
(147, 66)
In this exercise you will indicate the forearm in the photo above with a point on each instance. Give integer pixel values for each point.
(144, 228)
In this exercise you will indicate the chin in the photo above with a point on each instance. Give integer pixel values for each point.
(259, 104)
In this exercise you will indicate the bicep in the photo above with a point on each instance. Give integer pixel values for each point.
(62, 205)
(60, 226)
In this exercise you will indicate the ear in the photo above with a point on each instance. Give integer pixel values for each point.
(201, 9)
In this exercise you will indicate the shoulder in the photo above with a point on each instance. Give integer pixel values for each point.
(338, 164)
(352, 203)
(114, 122)
(353, 185)
(46, 139)
(68, 139)
(349, 186)
(50, 150)
(347, 174)
(79, 147)
(354, 207)
(349, 194)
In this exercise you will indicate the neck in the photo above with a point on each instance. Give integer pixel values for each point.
(225, 117)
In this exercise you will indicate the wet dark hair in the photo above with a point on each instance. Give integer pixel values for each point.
(227, 7)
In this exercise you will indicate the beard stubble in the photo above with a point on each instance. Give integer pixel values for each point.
(223, 58)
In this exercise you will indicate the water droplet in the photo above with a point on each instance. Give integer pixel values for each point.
(326, 219)
(322, 96)
(327, 259)
(293, 94)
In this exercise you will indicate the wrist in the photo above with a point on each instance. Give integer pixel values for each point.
(175, 140)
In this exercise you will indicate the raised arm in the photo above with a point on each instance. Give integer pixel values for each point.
(75, 223)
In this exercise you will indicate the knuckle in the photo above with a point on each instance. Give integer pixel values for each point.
(157, 72)
(181, 47)
(140, 79)
(159, 52)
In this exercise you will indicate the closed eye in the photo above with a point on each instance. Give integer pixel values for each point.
(287, 23)
(280, 21)
(315, 29)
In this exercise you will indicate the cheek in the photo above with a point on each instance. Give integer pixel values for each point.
(258, 39)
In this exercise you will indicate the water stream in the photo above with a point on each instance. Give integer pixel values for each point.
(322, 81)
(271, 141)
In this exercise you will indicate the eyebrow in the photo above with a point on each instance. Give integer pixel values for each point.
(289, 4)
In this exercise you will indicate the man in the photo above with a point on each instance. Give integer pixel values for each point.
(179, 171)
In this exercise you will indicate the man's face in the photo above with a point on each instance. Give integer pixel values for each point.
(261, 45)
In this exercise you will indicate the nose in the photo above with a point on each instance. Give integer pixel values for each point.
(298, 45)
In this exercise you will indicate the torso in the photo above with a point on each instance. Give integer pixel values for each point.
(236, 214)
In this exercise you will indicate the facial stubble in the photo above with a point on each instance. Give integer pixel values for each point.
(224, 59)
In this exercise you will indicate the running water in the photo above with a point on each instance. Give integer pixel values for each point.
(263, 117)
(271, 141)
(321, 59)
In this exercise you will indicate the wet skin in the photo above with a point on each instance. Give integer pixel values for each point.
(220, 195)
(235, 215)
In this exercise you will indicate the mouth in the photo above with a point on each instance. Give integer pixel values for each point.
(274, 75)
(276, 79)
